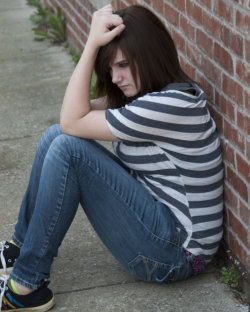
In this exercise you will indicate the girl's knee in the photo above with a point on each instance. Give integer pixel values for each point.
(53, 131)
(64, 143)
(47, 138)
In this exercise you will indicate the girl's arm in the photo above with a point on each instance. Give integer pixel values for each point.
(77, 117)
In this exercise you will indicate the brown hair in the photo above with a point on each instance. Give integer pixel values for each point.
(148, 48)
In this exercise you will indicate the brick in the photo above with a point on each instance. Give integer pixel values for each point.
(225, 105)
(223, 58)
(204, 42)
(232, 40)
(171, 15)
(187, 27)
(243, 72)
(206, 86)
(239, 228)
(239, 2)
(69, 11)
(225, 223)
(194, 55)
(88, 5)
(237, 249)
(189, 70)
(243, 167)
(224, 10)
(212, 25)
(247, 100)
(234, 136)
(243, 122)
(120, 5)
(207, 3)
(179, 41)
(238, 184)
(230, 198)
(75, 40)
(244, 211)
(247, 50)
(194, 11)
(82, 24)
(228, 152)
(158, 6)
(86, 16)
(248, 149)
(131, 2)
(217, 118)
(178, 4)
(233, 89)
(243, 22)
(211, 70)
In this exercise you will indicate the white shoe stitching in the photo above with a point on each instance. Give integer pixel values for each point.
(2, 246)
(3, 283)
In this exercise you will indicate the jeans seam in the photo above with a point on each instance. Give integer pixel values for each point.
(53, 221)
(24, 282)
(57, 210)
(16, 241)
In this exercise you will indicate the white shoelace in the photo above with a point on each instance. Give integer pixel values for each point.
(2, 246)
(3, 283)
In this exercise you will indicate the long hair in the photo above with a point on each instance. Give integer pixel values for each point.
(149, 50)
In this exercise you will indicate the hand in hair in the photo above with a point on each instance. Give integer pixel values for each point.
(105, 26)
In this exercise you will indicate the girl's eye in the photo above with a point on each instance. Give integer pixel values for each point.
(124, 64)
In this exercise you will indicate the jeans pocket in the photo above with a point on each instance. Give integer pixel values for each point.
(152, 271)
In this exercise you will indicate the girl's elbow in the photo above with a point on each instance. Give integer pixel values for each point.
(65, 127)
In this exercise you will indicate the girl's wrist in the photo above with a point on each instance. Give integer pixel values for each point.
(92, 46)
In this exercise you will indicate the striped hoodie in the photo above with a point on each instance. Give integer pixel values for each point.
(170, 143)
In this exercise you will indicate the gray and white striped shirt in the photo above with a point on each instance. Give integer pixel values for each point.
(170, 142)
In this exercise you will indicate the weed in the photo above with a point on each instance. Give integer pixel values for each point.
(75, 57)
(33, 2)
(230, 276)
(50, 24)
(93, 94)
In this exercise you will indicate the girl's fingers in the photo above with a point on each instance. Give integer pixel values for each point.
(107, 8)
(116, 31)
(114, 20)
(105, 26)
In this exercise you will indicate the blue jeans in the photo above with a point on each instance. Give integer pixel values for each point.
(137, 229)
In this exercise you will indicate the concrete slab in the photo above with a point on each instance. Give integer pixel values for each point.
(85, 276)
(199, 294)
(16, 30)
(30, 110)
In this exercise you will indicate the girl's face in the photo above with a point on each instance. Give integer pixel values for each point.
(121, 75)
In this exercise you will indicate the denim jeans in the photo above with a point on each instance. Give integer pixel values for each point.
(137, 229)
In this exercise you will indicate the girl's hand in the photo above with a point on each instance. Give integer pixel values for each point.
(103, 21)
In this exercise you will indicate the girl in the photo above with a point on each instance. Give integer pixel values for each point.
(157, 204)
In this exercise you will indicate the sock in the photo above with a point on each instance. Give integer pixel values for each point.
(13, 287)
(14, 243)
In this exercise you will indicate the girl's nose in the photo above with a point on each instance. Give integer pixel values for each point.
(116, 77)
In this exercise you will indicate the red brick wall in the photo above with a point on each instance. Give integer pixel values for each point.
(212, 37)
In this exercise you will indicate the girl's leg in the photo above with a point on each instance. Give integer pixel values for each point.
(29, 200)
(138, 230)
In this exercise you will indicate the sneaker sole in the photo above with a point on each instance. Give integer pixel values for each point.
(46, 307)
(6, 272)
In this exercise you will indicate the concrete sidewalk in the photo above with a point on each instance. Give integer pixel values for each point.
(85, 277)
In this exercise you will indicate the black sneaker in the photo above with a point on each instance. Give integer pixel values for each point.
(8, 255)
(41, 299)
